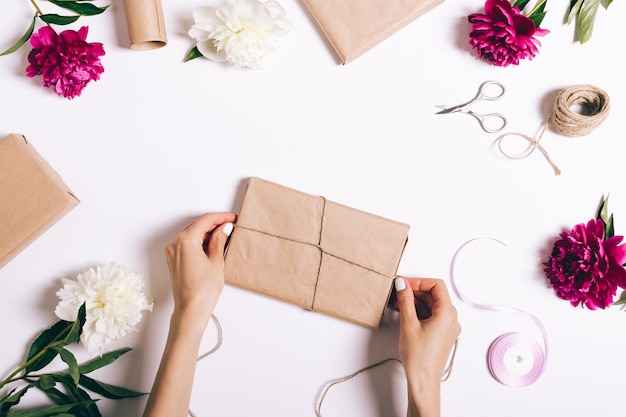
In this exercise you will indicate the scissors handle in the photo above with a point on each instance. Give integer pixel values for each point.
(490, 122)
(489, 90)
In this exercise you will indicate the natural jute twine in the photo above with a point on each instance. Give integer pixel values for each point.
(446, 375)
(446, 372)
(565, 120)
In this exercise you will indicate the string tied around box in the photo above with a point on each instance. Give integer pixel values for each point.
(565, 120)
(317, 245)
(515, 359)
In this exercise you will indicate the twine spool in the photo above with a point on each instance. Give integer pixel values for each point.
(565, 120)
(595, 104)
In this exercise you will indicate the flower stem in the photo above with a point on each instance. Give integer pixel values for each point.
(39, 12)
(537, 6)
(11, 377)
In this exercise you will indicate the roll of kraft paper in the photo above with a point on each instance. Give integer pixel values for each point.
(146, 26)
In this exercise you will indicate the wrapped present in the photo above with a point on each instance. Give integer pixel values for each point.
(314, 253)
(355, 26)
(33, 196)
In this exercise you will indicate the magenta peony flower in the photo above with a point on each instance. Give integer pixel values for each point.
(66, 62)
(585, 268)
(503, 35)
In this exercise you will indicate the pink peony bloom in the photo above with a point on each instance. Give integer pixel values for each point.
(585, 268)
(66, 62)
(502, 35)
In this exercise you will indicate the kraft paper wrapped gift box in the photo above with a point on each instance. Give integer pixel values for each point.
(355, 26)
(33, 196)
(314, 253)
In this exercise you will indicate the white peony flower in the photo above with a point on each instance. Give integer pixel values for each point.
(242, 33)
(113, 298)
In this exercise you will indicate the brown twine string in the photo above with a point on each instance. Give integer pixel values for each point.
(446, 375)
(567, 122)
(595, 103)
(321, 249)
(212, 350)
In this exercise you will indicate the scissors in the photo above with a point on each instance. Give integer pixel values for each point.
(486, 121)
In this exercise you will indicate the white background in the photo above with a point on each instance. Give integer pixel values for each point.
(156, 142)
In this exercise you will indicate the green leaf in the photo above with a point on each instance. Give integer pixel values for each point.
(69, 358)
(13, 399)
(193, 54)
(585, 19)
(39, 351)
(538, 13)
(603, 210)
(82, 8)
(609, 228)
(21, 41)
(77, 394)
(55, 395)
(573, 10)
(45, 382)
(54, 410)
(520, 4)
(55, 19)
(622, 299)
(606, 3)
(77, 327)
(108, 390)
(6, 397)
(101, 361)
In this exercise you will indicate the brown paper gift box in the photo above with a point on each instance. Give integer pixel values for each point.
(355, 26)
(32, 196)
(314, 253)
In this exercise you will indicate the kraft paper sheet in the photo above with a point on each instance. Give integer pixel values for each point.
(355, 26)
(146, 25)
(314, 253)
(32, 196)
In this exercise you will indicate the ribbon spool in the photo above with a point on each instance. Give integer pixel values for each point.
(565, 120)
(514, 359)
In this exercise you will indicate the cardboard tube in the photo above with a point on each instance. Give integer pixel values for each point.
(146, 26)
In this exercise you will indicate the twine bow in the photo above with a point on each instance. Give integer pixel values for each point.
(565, 120)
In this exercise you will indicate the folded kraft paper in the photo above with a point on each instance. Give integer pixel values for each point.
(146, 25)
(314, 253)
(33, 196)
(355, 26)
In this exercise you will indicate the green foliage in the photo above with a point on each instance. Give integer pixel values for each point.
(78, 7)
(21, 41)
(603, 214)
(583, 12)
(69, 389)
(192, 54)
(537, 13)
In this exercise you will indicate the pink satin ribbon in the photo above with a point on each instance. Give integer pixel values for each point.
(514, 359)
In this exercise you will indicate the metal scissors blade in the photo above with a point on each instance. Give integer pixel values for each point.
(483, 93)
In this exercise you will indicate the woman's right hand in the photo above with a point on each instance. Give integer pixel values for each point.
(428, 330)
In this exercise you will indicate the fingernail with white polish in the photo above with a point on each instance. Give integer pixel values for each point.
(227, 229)
(400, 284)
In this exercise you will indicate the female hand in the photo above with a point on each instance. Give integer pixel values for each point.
(428, 330)
(197, 276)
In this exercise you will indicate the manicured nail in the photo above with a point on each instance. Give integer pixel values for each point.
(227, 229)
(400, 284)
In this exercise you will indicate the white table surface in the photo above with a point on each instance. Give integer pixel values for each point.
(157, 142)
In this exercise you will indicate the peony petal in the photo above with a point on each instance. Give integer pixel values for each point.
(208, 50)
